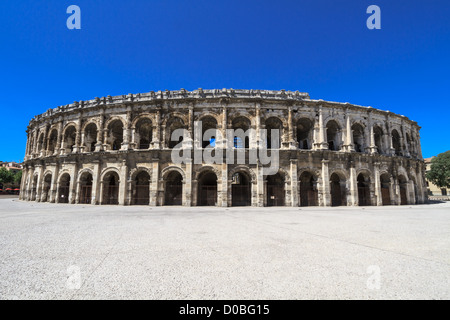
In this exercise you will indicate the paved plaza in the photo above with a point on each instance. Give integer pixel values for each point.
(51, 251)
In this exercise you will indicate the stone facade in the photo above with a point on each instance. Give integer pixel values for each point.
(117, 150)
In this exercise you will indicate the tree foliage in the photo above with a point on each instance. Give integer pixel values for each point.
(6, 176)
(17, 178)
(439, 173)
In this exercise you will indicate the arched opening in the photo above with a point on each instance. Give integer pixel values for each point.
(53, 139)
(396, 142)
(304, 127)
(363, 190)
(241, 126)
(403, 184)
(338, 191)
(90, 137)
(141, 189)
(378, 137)
(333, 133)
(85, 196)
(41, 142)
(144, 133)
(172, 125)
(207, 189)
(308, 190)
(240, 190)
(385, 182)
(275, 190)
(358, 137)
(64, 188)
(69, 139)
(31, 145)
(46, 188)
(111, 188)
(115, 135)
(174, 189)
(209, 123)
(274, 128)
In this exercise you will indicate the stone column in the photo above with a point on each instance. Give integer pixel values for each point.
(100, 131)
(154, 183)
(156, 143)
(126, 130)
(405, 142)
(224, 186)
(39, 182)
(349, 146)
(292, 142)
(353, 186)
(77, 146)
(378, 195)
(260, 185)
(96, 183)
(325, 187)
(390, 148)
(73, 182)
(23, 183)
(123, 183)
(187, 192)
(320, 138)
(294, 183)
(54, 186)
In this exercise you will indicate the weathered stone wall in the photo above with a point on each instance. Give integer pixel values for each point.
(330, 153)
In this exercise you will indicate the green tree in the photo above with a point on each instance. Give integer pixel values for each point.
(439, 173)
(6, 176)
(17, 177)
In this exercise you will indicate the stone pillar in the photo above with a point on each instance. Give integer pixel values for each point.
(23, 183)
(154, 183)
(224, 186)
(187, 192)
(378, 195)
(156, 140)
(54, 186)
(123, 183)
(77, 146)
(39, 182)
(406, 152)
(353, 201)
(348, 146)
(294, 183)
(126, 130)
(260, 185)
(320, 138)
(259, 143)
(325, 187)
(96, 183)
(390, 148)
(73, 183)
(411, 193)
(100, 194)
(292, 142)
(100, 131)
(59, 138)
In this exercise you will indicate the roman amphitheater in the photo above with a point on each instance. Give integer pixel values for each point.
(118, 151)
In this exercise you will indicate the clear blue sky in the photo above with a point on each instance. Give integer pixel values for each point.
(318, 46)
